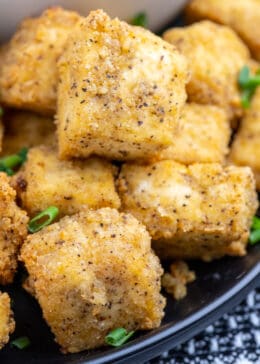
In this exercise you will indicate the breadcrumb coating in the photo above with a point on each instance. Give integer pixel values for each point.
(7, 324)
(45, 181)
(28, 75)
(99, 268)
(241, 15)
(199, 211)
(121, 91)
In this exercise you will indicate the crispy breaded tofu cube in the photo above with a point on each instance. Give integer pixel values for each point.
(25, 129)
(120, 93)
(245, 150)
(13, 230)
(200, 211)
(216, 55)
(28, 76)
(45, 181)
(203, 136)
(241, 15)
(99, 267)
(7, 323)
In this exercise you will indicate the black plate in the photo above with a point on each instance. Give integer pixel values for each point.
(218, 287)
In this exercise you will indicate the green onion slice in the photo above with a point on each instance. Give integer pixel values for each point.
(140, 19)
(118, 337)
(255, 231)
(21, 343)
(7, 164)
(43, 219)
(248, 84)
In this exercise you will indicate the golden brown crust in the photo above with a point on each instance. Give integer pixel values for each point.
(245, 150)
(241, 15)
(7, 324)
(120, 93)
(98, 266)
(13, 230)
(203, 136)
(28, 77)
(200, 211)
(47, 181)
(25, 129)
(214, 64)
(175, 282)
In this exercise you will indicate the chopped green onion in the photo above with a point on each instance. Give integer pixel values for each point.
(140, 19)
(21, 343)
(43, 219)
(118, 337)
(255, 231)
(248, 84)
(7, 164)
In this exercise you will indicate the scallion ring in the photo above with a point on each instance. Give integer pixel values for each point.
(118, 337)
(8, 163)
(140, 19)
(255, 231)
(248, 84)
(21, 342)
(43, 219)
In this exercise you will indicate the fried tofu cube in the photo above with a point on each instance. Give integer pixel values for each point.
(245, 150)
(202, 211)
(25, 129)
(215, 55)
(47, 181)
(243, 16)
(121, 91)
(13, 230)
(203, 136)
(7, 323)
(28, 76)
(99, 267)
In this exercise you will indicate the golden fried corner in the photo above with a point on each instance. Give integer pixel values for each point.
(28, 78)
(102, 55)
(88, 274)
(13, 232)
(7, 325)
(203, 211)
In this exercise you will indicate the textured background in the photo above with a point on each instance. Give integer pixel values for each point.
(234, 339)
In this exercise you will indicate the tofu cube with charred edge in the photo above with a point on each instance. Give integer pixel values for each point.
(28, 74)
(7, 323)
(201, 211)
(23, 129)
(215, 56)
(99, 267)
(243, 16)
(203, 136)
(245, 150)
(121, 91)
(13, 230)
(46, 181)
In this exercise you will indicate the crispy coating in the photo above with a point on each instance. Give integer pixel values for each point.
(13, 230)
(46, 181)
(26, 129)
(28, 77)
(1, 130)
(245, 150)
(7, 323)
(203, 136)
(176, 281)
(216, 55)
(99, 267)
(200, 211)
(120, 93)
(241, 15)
